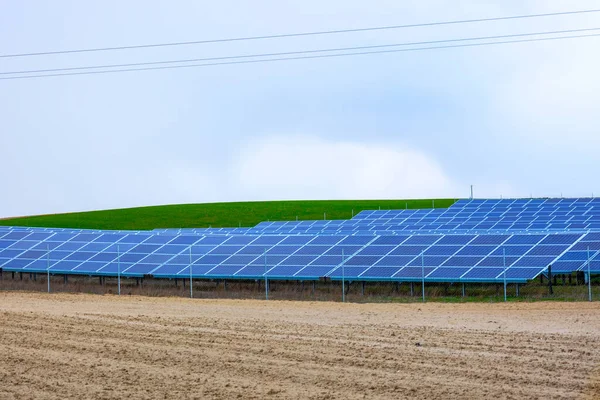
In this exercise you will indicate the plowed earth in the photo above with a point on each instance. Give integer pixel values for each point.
(62, 346)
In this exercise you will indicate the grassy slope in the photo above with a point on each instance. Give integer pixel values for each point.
(216, 214)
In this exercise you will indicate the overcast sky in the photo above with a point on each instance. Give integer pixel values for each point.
(513, 120)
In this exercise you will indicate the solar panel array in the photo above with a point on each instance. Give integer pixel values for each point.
(465, 216)
(438, 257)
(444, 245)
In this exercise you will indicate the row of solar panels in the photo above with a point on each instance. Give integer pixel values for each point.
(450, 258)
(521, 215)
(499, 207)
(550, 201)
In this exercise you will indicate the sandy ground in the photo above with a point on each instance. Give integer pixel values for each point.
(61, 346)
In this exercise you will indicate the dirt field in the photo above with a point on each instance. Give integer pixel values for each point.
(103, 347)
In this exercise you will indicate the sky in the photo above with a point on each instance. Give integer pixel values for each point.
(514, 120)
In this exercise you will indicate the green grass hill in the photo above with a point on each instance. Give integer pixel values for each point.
(243, 214)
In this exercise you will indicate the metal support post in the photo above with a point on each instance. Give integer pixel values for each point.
(463, 290)
(589, 277)
(517, 289)
(119, 269)
(48, 266)
(363, 289)
(423, 274)
(191, 285)
(266, 279)
(550, 290)
(504, 262)
(412, 289)
(343, 281)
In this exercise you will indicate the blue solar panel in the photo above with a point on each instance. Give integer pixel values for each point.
(348, 272)
(436, 250)
(253, 250)
(547, 250)
(346, 250)
(225, 249)
(408, 250)
(566, 266)
(455, 239)
(224, 270)
(560, 239)
(447, 273)
(493, 261)
(285, 270)
(521, 273)
(460, 261)
(476, 250)
(185, 240)
(524, 239)
(306, 250)
(390, 240)
(511, 250)
(169, 269)
(394, 260)
(380, 272)
(421, 240)
(211, 259)
(481, 273)
(533, 261)
(252, 270)
(313, 271)
(326, 240)
(239, 240)
(375, 250)
(413, 272)
(327, 260)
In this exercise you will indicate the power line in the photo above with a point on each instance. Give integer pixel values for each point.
(300, 58)
(287, 35)
(288, 53)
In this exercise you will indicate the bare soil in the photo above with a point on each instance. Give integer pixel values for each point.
(80, 346)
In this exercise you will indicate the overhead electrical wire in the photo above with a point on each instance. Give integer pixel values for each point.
(288, 53)
(303, 57)
(299, 34)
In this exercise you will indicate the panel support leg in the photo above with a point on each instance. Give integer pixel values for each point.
(412, 289)
(463, 290)
(363, 289)
(65, 279)
(314, 286)
(517, 289)
(20, 275)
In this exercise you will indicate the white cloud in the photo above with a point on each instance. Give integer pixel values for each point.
(307, 167)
